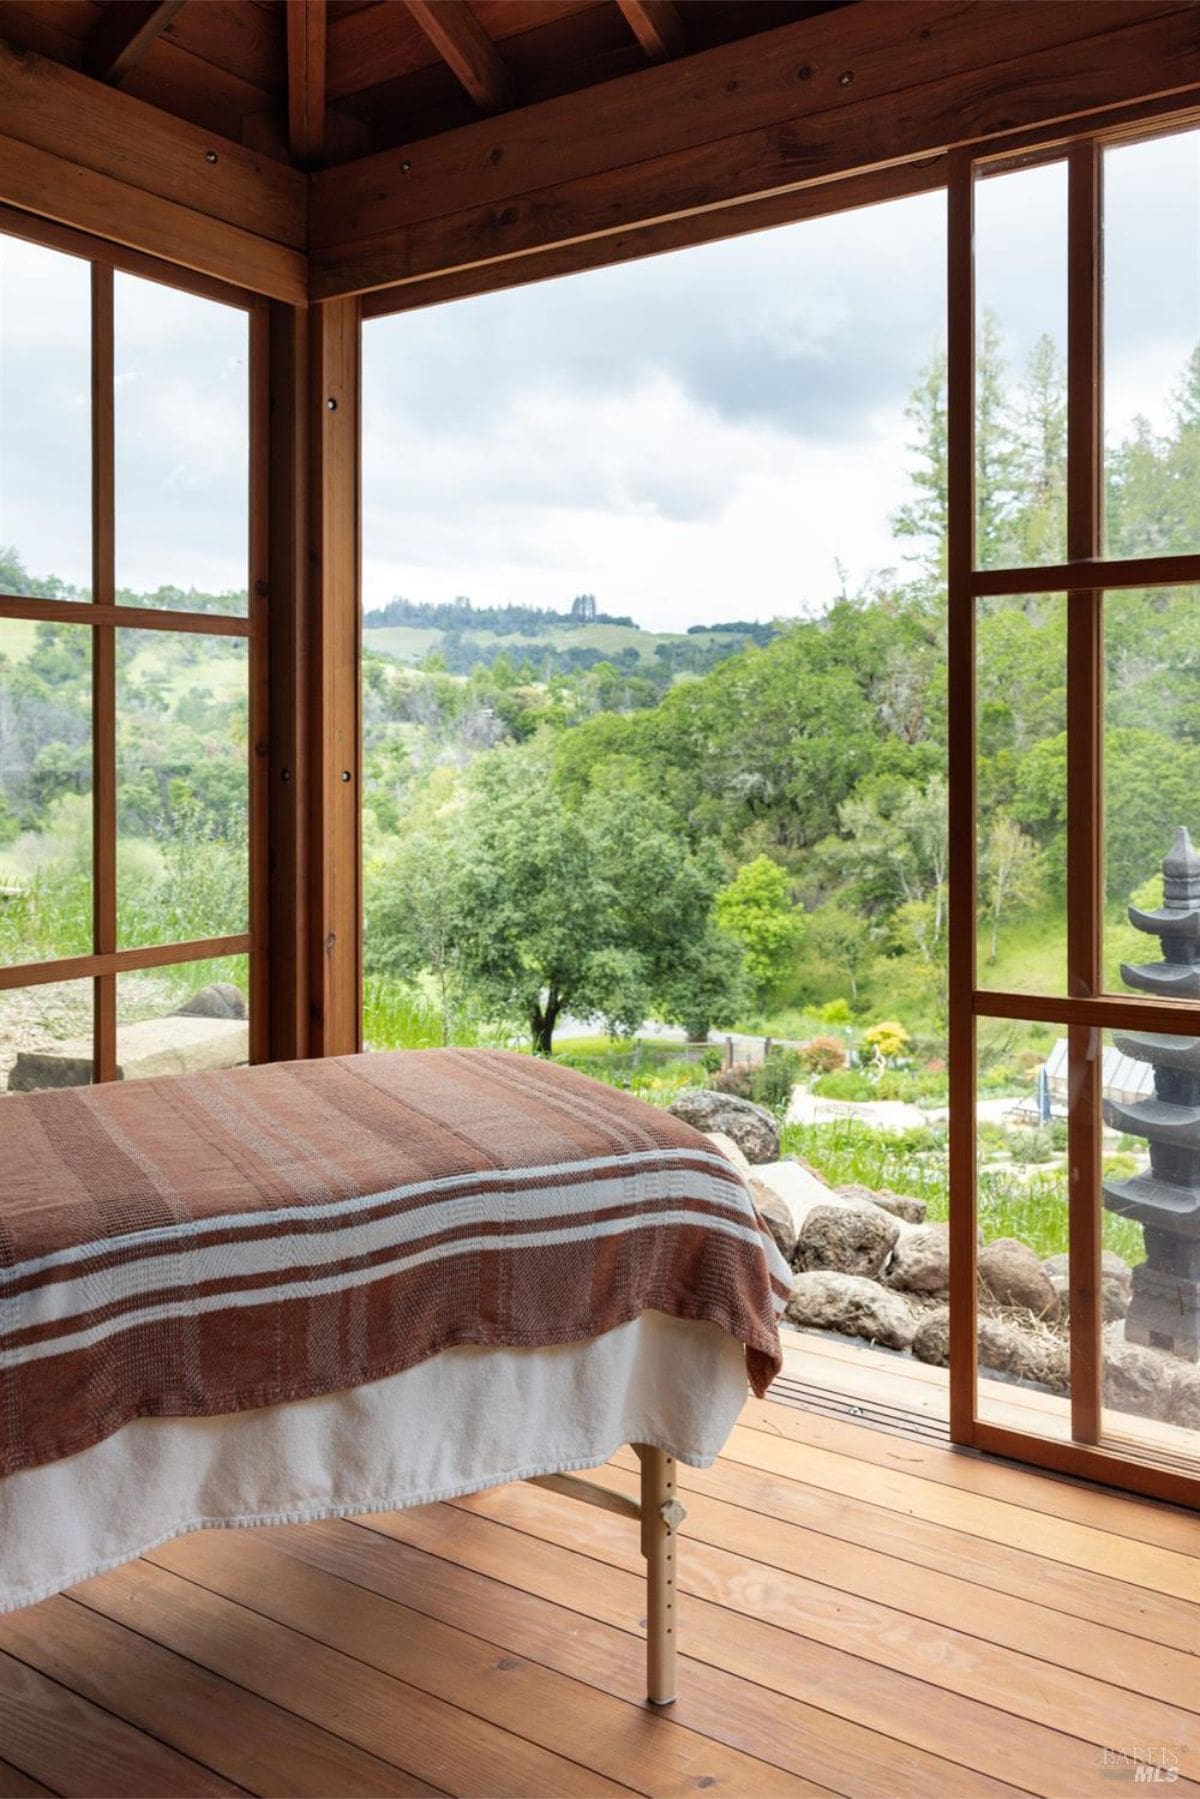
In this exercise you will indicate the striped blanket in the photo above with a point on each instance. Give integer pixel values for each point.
(211, 1243)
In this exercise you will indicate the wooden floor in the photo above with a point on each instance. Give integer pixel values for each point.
(864, 1612)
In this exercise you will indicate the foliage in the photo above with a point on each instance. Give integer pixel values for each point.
(821, 1055)
(756, 910)
(888, 1040)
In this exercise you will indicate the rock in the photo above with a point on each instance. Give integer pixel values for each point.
(220, 999)
(921, 1260)
(171, 1045)
(901, 1205)
(797, 1186)
(1011, 1275)
(752, 1128)
(1003, 1346)
(1185, 1397)
(1116, 1284)
(847, 1239)
(931, 1342)
(776, 1214)
(728, 1149)
(851, 1304)
(1137, 1380)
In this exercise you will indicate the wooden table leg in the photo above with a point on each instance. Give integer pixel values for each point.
(661, 1517)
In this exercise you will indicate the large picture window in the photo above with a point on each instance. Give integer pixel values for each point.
(132, 627)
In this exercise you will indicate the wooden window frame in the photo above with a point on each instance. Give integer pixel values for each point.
(103, 617)
(1087, 1010)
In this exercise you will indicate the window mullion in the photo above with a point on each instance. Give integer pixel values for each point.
(104, 675)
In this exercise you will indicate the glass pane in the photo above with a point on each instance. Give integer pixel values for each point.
(45, 422)
(45, 791)
(46, 1036)
(1024, 1356)
(182, 449)
(1022, 784)
(1020, 366)
(1151, 787)
(1151, 1273)
(1152, 345)
(184, 1019)
(182, 787)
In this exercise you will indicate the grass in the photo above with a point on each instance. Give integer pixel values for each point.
(1032, 1208)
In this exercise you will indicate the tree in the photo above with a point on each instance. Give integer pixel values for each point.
(594, 906)
(843, 939)
(756, 910)
(1011, 873)
(415, 926)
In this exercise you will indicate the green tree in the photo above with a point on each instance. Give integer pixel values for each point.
(1011, 873)
(756, 910)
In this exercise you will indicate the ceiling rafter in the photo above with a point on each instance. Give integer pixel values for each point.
(123, 32)
(465, 46)
(657, 26)
(306, 35)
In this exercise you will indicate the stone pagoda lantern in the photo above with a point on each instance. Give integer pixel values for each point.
(1164, 1312)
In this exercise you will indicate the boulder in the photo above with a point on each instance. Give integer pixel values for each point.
(752, 1127)
(921, 1260)
(170, 1045)
(728, 1149)
(220, 999)
(1137, 1380)
(900, 1205)
(776, 1214)
(1003, 1346)
(1011, 1275)
(848, 1239)
(797, 1186)
(1185, 1397)
(1116, 1284)
(851, 1304)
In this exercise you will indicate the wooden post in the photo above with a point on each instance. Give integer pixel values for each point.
(661, 1516)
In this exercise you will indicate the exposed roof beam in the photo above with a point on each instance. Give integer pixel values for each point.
(306, 80)
(124, 31)
(657, 26)
(461, 41)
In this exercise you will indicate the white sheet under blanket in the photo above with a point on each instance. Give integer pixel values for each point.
(467, 1419)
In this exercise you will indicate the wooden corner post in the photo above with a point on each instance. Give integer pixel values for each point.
(335, 932)
(662, 1515)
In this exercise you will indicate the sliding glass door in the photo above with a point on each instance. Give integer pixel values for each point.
(1088, 1360)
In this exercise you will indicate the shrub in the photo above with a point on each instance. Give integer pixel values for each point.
(736, 1080)
(821, 1055)
(1031, 1146)
(773, 1084)
(837, 1011)
(888, 1039)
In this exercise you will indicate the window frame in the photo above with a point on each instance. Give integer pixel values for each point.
(104, 617)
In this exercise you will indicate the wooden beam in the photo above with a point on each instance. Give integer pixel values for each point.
(657, 26)
(290, 697)
(124, 32)
(35, 181)
(57, 110)
(306, 80)
(335, 631)
(772, 114)
(465, 46)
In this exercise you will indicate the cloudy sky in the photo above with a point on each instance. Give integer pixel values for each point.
(699, 436)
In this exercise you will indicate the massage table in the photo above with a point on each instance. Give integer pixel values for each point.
(331, 1288)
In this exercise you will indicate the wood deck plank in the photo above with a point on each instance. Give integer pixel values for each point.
(443, 1744)
(566, 1716)
(76, 1748)
(996, 1521)
(982, 1740)
(713, 1702)
(1073, 1592)
(1141, 1519)
(1101, 1651)
(1027, 1687)
(861, 1612)
(252, 1742)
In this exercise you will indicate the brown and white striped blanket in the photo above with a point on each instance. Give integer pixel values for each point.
(211, 1243)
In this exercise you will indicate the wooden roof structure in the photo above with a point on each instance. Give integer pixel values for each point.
(309, 149)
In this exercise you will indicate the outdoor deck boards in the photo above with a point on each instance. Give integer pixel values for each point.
(862, 1612)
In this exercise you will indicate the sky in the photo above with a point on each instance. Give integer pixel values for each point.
(716, 433)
